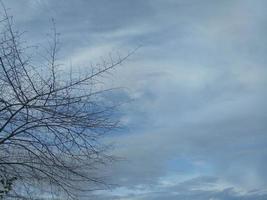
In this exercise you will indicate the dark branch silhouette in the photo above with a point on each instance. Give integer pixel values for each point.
(50, 123)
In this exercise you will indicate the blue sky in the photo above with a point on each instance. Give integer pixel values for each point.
(196, 128)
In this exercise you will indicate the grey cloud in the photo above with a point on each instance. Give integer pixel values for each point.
(193, 189)
(198, 86)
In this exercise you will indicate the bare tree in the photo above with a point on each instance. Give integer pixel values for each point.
(50, 122)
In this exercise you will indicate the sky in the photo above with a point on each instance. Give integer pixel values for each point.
(195, 128)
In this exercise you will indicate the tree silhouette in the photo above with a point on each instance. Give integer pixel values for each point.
(50, 121)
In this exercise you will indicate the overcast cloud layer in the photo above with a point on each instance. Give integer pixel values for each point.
(197, 125)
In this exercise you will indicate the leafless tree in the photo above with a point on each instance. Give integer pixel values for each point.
(50, 122)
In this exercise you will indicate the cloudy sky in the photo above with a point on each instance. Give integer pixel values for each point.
(196, 128)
